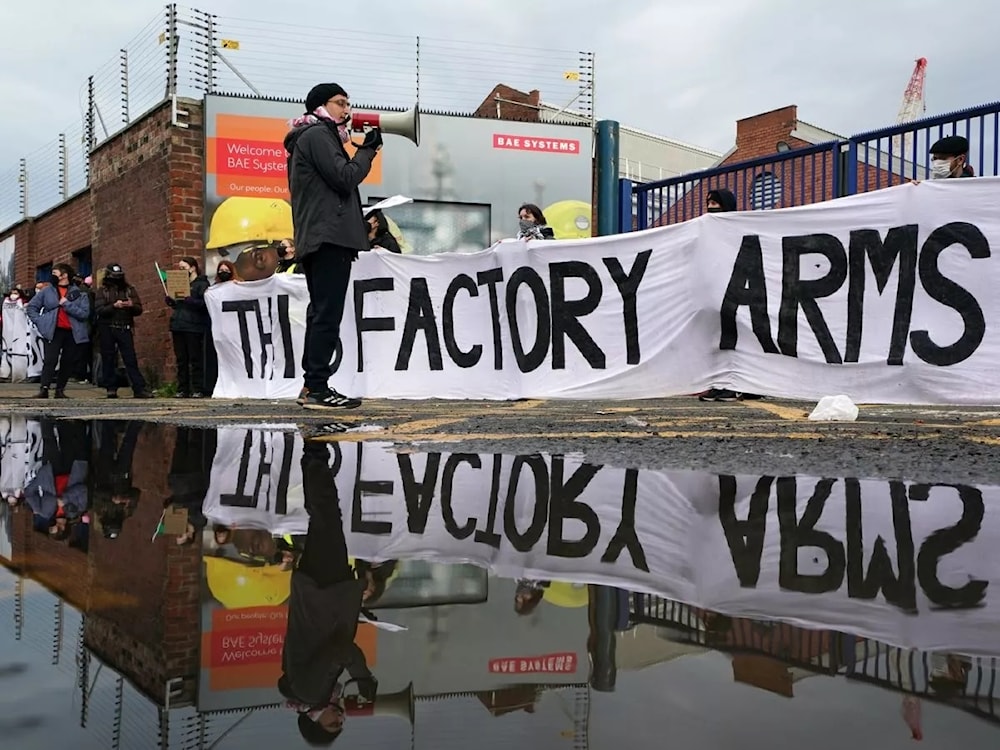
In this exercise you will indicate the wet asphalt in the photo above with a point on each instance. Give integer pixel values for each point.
(921, 444)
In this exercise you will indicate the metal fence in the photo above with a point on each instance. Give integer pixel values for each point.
(864, 162)
(189, 52)
(973, 684)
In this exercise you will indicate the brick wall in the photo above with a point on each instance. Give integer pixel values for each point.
(516, 105)
(147, 187)
(144, 617)
(51, 237)
(805, 179)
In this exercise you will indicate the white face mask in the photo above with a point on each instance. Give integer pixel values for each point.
(941, 168)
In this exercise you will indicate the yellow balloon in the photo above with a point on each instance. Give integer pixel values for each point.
(237, 586)
(569, 220)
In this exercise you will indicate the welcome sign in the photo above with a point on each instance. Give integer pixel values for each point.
(887, 297)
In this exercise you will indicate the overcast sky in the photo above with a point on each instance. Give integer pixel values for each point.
(680, 68)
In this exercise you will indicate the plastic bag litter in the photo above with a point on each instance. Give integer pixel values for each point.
(834, 409)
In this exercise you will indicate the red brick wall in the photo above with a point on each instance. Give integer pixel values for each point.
(516, 105)
(144, 617)
(52, 237)
(804, 179)
(147, 187)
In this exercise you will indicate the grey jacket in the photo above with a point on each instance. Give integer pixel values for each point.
(323, 181)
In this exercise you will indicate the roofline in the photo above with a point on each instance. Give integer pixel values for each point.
(635, 131)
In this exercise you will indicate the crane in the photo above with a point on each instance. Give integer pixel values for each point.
(912, 108)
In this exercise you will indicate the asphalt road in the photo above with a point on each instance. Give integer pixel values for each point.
(925, 444)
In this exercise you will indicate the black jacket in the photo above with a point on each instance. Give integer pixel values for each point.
(105, 312)
(191, 313)
(323, 181)
(386, 241)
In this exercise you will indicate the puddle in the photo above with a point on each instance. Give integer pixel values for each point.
(153, 577)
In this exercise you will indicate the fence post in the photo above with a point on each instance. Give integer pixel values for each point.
(210, 52)
(625, 206)
(22, 184)
(418, 70)
(603, 611)
(851, 169)
(606, 156)
(172, 45)
(125, 95)
(63, 168)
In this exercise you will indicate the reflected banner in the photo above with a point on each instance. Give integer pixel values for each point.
(886, 559)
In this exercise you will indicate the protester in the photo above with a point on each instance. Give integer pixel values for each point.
(60, 313)
(116, 306)
(532, 224)
(288, 263)
(330, 228)
(188, 325)
(950, 158)
(379, 234)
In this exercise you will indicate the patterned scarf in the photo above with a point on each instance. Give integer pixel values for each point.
(320, 115)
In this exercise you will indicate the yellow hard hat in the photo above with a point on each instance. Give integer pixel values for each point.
(237, 586)
(238, 220)
(569, 220)
(569, 595)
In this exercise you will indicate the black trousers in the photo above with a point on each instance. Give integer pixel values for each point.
(325, 556)
(116, 341)
(328, 275)
(62, 344)
(189, 350)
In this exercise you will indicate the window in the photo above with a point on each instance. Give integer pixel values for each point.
(766, 192)
(43, 272)
(84, 262)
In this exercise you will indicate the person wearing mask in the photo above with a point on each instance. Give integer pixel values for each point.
(288, 263)
(722, 200)
(532, 224)
(116, 306)
(60, 313)
(224, 272)
(188, 325)
(379, 234)
(330, 228)
(950, 158)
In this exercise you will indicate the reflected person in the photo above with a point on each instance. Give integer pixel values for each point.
(324, 606)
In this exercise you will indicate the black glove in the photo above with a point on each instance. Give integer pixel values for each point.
(373, 139)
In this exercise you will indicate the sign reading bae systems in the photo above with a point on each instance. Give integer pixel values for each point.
(526, 143)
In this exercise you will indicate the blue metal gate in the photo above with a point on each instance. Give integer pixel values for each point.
(864, 162)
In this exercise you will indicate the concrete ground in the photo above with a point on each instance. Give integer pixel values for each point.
(917, 443)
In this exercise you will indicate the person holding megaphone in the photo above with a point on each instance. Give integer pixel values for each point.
(330, 227)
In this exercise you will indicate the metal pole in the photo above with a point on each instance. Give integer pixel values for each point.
(125, 95)
(606, 157)
(63, 167)
(210, 52)
(172, 44)
(418, 70)
(625, 218)
(22, 181)
(603, 613)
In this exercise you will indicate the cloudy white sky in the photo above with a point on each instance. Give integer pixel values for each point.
(682, 68)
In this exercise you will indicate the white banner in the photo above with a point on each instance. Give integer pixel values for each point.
(886, 297)
(22, 346)
(903, 563)
(20, 455)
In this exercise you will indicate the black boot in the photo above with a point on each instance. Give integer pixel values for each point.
(43, 392)
(60, 393)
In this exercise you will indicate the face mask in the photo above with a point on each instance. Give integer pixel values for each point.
(15, 297)
(54, 280)
(940, 169)
(715, 209)
(225, 276)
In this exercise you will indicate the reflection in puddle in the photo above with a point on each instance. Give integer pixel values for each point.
(428, 596)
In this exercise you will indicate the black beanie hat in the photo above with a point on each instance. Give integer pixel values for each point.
(321, 93)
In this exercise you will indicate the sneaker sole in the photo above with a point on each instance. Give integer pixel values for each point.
(327, 407)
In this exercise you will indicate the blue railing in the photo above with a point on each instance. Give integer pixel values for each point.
(867, 161)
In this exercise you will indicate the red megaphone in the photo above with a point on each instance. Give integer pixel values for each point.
(406, 124)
